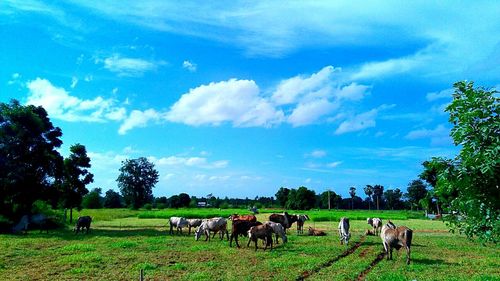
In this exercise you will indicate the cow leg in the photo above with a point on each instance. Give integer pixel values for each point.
(408, 252)
(256, 244)
(248, 244)
(189, 230)
(277, 238)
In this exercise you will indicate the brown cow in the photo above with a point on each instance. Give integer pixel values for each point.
(250, 218)
(396, 237)
(264, 232)
(285, 220)
(240, 227)
(316, 232)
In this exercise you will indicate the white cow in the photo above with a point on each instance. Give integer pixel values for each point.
(215, 225)
(278, 230)
(178, 223)
(344, 233)
(376, 223)
(300, 223)
(193, 223)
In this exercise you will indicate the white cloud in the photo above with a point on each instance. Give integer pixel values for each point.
(317, 154)
(389, 67)
(334, 164)
(74, 81)
(308, 113)
(439, 95)
(361, 121)
(132, 67)
(353, 92)
(138, 118)
(15, 78)
(200, 162)
(61, 105)
(439, 135)
(233, 101)
(191, 66)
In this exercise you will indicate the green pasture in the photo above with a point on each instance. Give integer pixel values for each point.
(121, 244)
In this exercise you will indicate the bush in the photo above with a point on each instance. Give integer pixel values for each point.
(161, 206)
(147, 206)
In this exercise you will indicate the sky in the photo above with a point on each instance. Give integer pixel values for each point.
(240, 98)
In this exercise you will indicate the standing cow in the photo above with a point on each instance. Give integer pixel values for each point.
(344, 233)
(396, 237)
(83, 222)
(178, 223)
(284, 219)
(215, 225)
(193, 223)
(376, 223)
(278, 230)
(300, 223)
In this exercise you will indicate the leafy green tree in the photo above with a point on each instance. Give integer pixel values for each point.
(136, 181)
(184, 200)
(282, 196)
(474, 174)
(93, 200)
(393, 199)
(29, 161)
(334, 200)
(368, 191)
(378, 191)
(75, 177)
(352, 193)
(112, 199)
(174, 201)
(416, 191)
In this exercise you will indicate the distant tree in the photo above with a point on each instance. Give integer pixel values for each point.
(75, 177)
(305, 198)
(174, 201)
(136, 181)
(368, 191)
(334, 200)
(393, 198)
(352, 192)
(112, 199)
(184, 200)
(93, 199)
(415, 192)
(29, 160)
(378, 191)
(282, 196)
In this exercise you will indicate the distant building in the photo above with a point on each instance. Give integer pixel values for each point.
(203, 204)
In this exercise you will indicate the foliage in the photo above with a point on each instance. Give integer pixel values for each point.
(378, 191)
(75, 177)
(368, 191)
(301, 199)
(29, 161)
(136, 181)
(470, 182)
(93, 199)
(416, 191)
(184, 200)
(393, 199)
(335, 200)
(282, 196)
(112, 199)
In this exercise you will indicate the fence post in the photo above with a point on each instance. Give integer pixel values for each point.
(141, 276)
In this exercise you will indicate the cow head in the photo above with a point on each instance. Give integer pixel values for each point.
(197, 233)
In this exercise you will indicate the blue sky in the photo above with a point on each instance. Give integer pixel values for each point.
(239, 98)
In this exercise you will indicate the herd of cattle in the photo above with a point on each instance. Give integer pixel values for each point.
(247, 225)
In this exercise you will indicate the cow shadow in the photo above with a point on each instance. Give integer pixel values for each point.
(431, 261)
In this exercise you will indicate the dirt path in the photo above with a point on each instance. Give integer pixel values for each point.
(367, 270)
(346, 253)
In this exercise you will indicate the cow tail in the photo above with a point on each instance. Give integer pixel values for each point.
(409, 236)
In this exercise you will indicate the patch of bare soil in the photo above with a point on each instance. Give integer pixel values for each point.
(367, 270)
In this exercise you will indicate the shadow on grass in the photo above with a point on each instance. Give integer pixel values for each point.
(431, 261)
(68, 234)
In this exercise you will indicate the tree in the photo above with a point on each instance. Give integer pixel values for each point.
(416, 192)
(112, 199)
(352, 192)
(430, 175)
(184, 200)
(282, 196)
(93, 200)
(378, 190)
(334, 200)
(393, 198)
(136, 181)
(474, 174)
(368, 191)
(75, 177)
(29, 161)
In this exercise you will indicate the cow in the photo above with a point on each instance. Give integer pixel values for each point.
(284, 219)
(344, 231)
(83, 222)
(376, 223)
(240, 227)
(300, 223)
(278, 230)
(369, 232)
(40, 221)
(178, 223)
(193, 223)
(264, 232)
(250, 218)
(215, 225)
(396, 237)
(316, 232)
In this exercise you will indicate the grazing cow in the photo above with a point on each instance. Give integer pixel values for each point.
(376, 223)
(316, 232)
(300, 223)
(178, 223)
(278, 230)
(83, 222)
(240, 227)
(251, 218)
(193, 223)
(35, 221)
(396, 237)
(215, 225)
(264, 232)
(285, 219)
(344, 231)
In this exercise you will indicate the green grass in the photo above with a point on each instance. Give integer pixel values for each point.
(117, 249)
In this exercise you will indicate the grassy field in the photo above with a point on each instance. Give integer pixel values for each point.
(121, 244)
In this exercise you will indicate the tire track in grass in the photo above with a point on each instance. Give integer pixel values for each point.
(367, 270)
(346, 253)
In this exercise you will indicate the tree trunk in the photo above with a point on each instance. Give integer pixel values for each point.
(377, 204)
(437, 206)
(70, 215)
